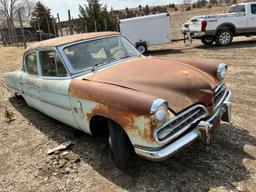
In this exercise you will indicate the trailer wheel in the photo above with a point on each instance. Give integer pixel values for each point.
(207, 40)
(224, 37)
(142, 47)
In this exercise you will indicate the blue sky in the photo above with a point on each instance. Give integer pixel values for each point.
(61, 6)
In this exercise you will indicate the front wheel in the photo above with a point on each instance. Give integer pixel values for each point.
(207, 40)
(120, 146)
(224, 38)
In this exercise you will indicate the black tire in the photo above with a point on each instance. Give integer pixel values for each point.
(142, 48)
(18, 96)
(224, 37)
(120, 146)
(207, 40)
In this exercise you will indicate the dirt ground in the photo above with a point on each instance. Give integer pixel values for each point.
(228, 164)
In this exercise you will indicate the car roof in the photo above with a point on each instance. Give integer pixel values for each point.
(69, 39)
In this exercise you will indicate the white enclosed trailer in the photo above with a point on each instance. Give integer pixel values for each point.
(147, 30)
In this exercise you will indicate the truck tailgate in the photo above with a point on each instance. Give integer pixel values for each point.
(195, 25)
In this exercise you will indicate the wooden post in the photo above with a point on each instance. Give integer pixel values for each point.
(85, 26)
(48, 26)
(70, 23)
(22, 31)
(54, 26)
(60, 26)
(105, 24)
(40, 35)
(3, 37)
(95, 25)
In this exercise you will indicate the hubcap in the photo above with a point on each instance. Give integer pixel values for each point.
(141, 49)
(224, 38)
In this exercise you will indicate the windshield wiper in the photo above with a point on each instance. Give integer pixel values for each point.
(127, 56)
(95, 66)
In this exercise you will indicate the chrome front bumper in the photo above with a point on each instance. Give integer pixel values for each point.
(202, 131)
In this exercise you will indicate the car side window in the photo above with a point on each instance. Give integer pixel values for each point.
(31, 63)
(51, 64)
(237, 9)
(253, 8)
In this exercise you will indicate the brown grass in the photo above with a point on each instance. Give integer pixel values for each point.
(228, 164)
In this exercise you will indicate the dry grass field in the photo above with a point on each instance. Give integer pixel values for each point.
(228, 164)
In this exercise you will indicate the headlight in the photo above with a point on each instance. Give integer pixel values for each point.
(221, 71)
(159, 111)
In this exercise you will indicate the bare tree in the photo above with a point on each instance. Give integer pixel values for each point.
(9, 11)
(27, 7)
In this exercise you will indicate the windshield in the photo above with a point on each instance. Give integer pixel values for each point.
(98, 52)
(237, 9)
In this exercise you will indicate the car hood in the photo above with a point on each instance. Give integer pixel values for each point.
(181, 84)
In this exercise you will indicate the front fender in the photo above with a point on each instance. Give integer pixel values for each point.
(129, 108)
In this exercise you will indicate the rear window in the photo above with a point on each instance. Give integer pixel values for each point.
(31, 63)
(237, 9)
(51, 64)
(253, 8)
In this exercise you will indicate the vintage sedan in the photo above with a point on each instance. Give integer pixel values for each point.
(99, 83)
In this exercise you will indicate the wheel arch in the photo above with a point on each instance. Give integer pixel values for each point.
(99, 126)
(229, 26)
(141, 43)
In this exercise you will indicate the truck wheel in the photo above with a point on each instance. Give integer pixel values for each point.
(207, 40)
(224, 37)
(120, 146)
(142, 48)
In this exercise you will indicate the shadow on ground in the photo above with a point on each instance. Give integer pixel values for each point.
(197, 168)
(234, 45)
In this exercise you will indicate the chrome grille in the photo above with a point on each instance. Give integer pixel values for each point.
(220, 93)
(180, 124)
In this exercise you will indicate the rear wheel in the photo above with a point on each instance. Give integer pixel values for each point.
(120, 146)
(207, 40)
(224, 37)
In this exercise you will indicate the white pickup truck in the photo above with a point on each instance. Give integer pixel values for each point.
(239, 21)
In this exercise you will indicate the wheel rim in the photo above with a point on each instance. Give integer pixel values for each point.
(141, 49)
(224, 38)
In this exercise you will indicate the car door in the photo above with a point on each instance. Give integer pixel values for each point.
(251, 26)
(30, 79)
(53, 87)
(239, 19)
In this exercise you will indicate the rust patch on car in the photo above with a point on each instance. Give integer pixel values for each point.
(120, 104)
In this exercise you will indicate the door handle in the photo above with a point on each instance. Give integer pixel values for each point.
(38, 85)
(22, 82)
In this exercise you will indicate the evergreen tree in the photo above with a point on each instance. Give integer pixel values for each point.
(147, 10)
(95, 17)
(41, 16)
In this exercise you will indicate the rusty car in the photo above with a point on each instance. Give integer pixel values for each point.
(100, 84)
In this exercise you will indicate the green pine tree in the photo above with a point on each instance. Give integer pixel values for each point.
(95, 17)
(41, 16)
